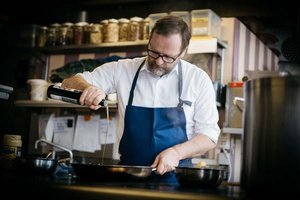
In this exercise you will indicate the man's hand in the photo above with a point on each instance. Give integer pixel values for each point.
(92, 96)
(166, 161)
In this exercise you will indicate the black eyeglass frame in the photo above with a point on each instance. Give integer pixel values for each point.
(162, 56)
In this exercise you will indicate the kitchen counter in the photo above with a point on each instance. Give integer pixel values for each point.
(32, 186)
(52, 188)
(17, 185)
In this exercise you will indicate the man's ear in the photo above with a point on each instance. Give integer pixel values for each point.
(184, 52)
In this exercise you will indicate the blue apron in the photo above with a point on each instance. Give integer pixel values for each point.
(148, 131)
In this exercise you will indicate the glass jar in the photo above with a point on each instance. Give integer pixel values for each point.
(51, 37)
(70, 35)
(96, 34)
(78, 33)
(146, 30)
(134, 28)
(104, 24)
(112, 32)
(42, 39)
(87, 33)
(11, 146)
(62, 36)
(123, 29)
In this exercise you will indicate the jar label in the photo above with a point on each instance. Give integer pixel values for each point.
(10, 152)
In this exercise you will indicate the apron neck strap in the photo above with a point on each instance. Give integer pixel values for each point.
(181, 102)
(134, 83)
(180, 82)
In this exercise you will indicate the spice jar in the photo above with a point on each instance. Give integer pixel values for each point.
(62, 36)
(42, 39)
(12, 146)
(78, 33)
(51, 37)
(70, 35)
(104, 24)
(134, 28)
(55, 31)
(86, 33)
(112, 31)
(123, 29)
(96, 34)
(146, 30)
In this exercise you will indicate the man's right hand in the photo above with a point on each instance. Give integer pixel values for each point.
(92, 96)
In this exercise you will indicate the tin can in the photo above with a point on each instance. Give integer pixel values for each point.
(11, 147)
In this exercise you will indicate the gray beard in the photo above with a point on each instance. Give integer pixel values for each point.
(160, 71)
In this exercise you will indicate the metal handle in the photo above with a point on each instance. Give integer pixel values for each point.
(55, 145)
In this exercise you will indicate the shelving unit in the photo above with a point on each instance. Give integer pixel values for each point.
(87, 48)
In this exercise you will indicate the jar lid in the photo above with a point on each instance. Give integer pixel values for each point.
(68, 24)
(81, 24)
(11, 137)
(55, 25)
(112, 20)
(12, 140)
(105, 21)
(124, 20)
(44, 28)
(136, 19)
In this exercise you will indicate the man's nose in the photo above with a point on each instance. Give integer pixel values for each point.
(159, 60)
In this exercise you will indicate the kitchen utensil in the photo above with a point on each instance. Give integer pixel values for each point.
(112, 172)
(271, 151)
(205, 177)
(37, 165)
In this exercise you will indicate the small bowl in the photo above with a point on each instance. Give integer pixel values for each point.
(39, 166)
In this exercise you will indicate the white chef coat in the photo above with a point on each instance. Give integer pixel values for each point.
(155, 91)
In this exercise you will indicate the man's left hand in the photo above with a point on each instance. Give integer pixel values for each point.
(166, 161)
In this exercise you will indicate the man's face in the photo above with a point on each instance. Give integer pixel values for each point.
(164, 53)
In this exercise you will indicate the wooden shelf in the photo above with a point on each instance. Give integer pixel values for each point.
(55, 104)
(92, 47)
(237, 131)
(206, 44)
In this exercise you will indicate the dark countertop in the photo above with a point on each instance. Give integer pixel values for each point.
(16, 185)
(31, 186)
(39, 187)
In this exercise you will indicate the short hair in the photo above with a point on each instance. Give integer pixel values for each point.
(172, 24)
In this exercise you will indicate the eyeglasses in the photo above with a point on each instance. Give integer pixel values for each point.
(165, 58)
